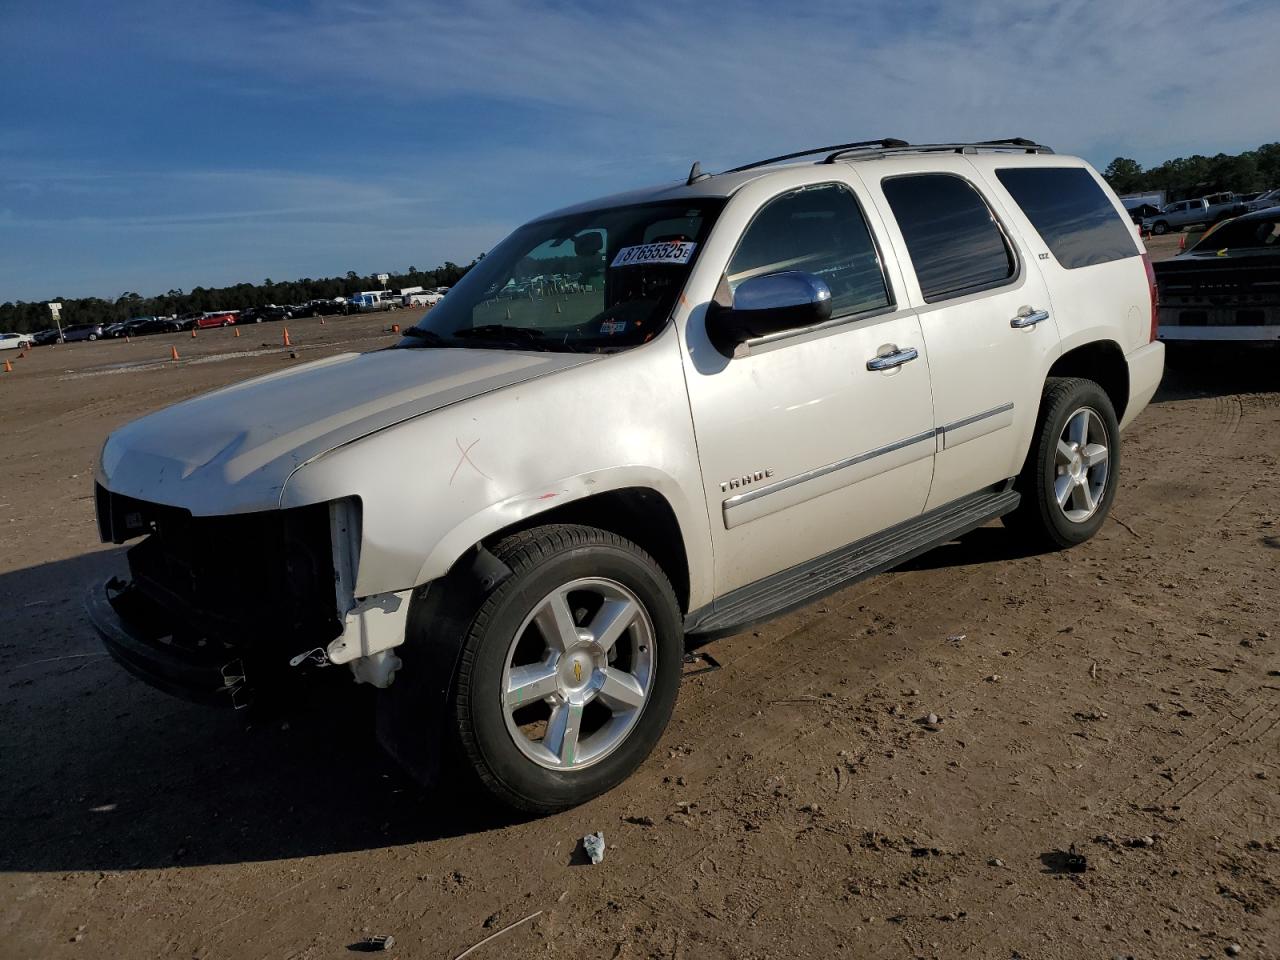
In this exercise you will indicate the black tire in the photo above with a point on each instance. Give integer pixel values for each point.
(1159, 228)
(1038, 519)
(542, 559)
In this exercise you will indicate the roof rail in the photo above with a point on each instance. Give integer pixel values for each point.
(867, 149)
(1018, 144)
(886, 143)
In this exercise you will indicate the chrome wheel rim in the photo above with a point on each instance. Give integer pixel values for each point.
(578, 674)
(1082, 465)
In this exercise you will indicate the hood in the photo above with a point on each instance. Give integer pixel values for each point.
(232, 450)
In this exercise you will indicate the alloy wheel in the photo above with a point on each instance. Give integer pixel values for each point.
(1081, 465)
(578, 673)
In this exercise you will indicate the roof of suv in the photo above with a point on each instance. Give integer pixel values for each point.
(701, 185)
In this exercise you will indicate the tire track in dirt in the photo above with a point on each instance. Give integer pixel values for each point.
(767, 670)
(1218, 433)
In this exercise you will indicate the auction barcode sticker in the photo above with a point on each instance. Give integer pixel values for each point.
(671, 251)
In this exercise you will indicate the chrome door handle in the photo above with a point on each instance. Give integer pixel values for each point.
(1029, 319)
(890, 360)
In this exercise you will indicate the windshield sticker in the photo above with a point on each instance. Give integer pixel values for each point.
(611, 327)
(672, 251)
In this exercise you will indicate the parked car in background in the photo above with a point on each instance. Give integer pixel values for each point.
(1186, 213)
(217, 318)
(373, 301)
(338, 306)
(790, 377)
(1226, 288)
(42, 338)
(15, 341)
(143, 326)
(1264, 201)
(1175, 216)
(262, 314)
(83, 331)
(1142, 212)
(113, 331)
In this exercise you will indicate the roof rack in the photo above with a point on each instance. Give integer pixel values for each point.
(886, 143)
(1016, 144)
(867, 149)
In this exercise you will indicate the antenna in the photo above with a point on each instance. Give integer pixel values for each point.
(696, 174)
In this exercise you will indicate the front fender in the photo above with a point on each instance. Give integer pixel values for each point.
(530, 503)
(432, 487)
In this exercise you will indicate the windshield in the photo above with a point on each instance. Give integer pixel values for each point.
(588, 282)
(1253, 233)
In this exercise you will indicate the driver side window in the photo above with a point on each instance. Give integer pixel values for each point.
(818, 230)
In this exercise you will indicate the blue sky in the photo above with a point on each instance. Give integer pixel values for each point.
(144, 145)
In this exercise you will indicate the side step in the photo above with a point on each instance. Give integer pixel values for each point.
(816, 578)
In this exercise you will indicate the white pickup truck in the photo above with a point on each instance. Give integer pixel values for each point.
(769, 383)
(1189, 213)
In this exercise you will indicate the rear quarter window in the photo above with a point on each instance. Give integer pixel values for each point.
(1071, 213)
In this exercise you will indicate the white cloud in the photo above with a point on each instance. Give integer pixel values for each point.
(604, 97)
(732, 81)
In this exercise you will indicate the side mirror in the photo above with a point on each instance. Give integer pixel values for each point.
(588, 244)
(770, 304)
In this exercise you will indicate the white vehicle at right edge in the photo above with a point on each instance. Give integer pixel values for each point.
(648, 418)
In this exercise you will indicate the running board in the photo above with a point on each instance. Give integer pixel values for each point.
(819, 577)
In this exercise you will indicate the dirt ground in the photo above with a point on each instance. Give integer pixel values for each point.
(1122, 698)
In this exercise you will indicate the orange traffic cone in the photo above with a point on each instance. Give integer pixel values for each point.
(322, 321)
(193, 333)
(126, 339)
(287, 341)
(8, 367)
(174, 352)
(237, 331)
(395, 328)
(21, 354)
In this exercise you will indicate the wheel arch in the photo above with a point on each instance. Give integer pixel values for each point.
(1101, 361)
(640, 513)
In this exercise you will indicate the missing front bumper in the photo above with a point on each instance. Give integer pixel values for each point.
(138, 635)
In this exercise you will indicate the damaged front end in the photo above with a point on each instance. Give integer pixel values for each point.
(227, 609)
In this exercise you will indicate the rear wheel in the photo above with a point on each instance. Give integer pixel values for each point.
(569, 670)
(1159, 228)
(1070, 476)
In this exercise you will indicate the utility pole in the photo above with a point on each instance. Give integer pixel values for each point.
(56, 310)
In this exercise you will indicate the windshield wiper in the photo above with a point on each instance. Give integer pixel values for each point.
(500, 331)
(429, 338)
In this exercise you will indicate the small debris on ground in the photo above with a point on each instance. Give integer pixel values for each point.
(1065, 861)
(374, 944)
(593, 844)
(639, 821)
(1233, 949)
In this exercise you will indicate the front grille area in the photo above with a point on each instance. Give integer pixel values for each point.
(258, 580)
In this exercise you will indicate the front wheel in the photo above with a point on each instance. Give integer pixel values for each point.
(570, 668)
(1160, 228)
(1073, 467)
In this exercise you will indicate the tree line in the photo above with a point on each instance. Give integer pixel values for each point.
(24, 317)
(1186, 178)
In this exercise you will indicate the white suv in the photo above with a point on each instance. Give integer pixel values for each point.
(663, 414)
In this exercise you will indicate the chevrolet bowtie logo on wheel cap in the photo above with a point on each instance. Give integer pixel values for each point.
(577, 671)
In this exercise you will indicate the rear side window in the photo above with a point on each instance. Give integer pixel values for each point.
(818, 230)
(952, 236)
(1071, 213)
